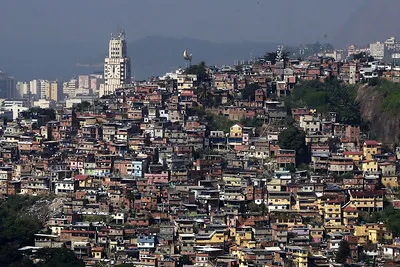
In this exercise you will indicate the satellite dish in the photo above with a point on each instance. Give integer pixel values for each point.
(187, 56)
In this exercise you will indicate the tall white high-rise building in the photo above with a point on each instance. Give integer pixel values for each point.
(69, 88)
(38, 88)
(117, 67)
(34, 86)
(377, 50)
(42, 89)
(23, 89)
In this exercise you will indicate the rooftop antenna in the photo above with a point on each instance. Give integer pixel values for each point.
(121, 34)
(188, 58)
(279, 53)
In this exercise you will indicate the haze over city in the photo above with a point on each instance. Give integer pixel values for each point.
(47, 38)
(209, 133)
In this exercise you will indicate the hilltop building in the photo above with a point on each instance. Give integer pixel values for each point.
(117, 66)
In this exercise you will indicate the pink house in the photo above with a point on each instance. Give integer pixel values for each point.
(157, 178)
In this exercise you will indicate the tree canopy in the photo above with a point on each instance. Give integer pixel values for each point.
(36, 111)
(363, 57)
(330, 96)
(200, 70)
(390, 94)
(292, 138)
(84, 106)
(343, 252)
(249, 91)
(390, 216)
(17, 228)
(271, 56)
(58, 257)
(219, 122)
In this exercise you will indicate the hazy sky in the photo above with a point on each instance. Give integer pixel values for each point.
(47, 38)
(76, 21)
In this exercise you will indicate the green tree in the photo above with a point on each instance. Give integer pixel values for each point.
(58, 257)
(253, 207)
(184, 260)
(389, 93)
(34, 112)
(249, 91)
(254, 122)
(81, 107)
(270, 56)
(204, 93)
(292, 138)
(200, 70)
(219, 122)
(329, 96)
(333, 144)
(363, 57)
(343, 252)
(17, 228)
(390, 216)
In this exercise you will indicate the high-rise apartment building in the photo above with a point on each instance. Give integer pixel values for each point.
(69, 88)
(117, 67)
(54, 91)
(351, 50)
(7, 86)
(23, 89)
(391, 43)
(34, 86)
(94, 84)
(84, 81)
(38, 88)
(377, 50)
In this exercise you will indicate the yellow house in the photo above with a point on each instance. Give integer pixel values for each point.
(371, 147)
(356, 156)
(332, 213)
(84, 180)
(371, 200)
(232, 179)
(390, 181)
(279, 201)
(97, 252)
(320, 206)
(236, 131)
(299, 255)
(350, 215)
(244, 236)
(232, 232)
(332, 229)
(84, 121)
(305, 201)
(372, 232)
(369, 166)
(274, 185)
(216, 237)
(316, 233)
(247, 256)
(287, 219)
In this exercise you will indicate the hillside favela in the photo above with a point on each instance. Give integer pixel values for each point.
(289, 158)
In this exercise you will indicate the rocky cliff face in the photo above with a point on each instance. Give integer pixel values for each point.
(385, 126)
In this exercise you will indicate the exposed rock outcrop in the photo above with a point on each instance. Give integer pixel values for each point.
(385, 125)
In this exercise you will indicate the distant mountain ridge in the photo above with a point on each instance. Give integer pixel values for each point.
(151, 56)
(375, 21)
(166, 54)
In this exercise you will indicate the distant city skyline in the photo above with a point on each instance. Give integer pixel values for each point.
(62, 35)
(284, 21)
